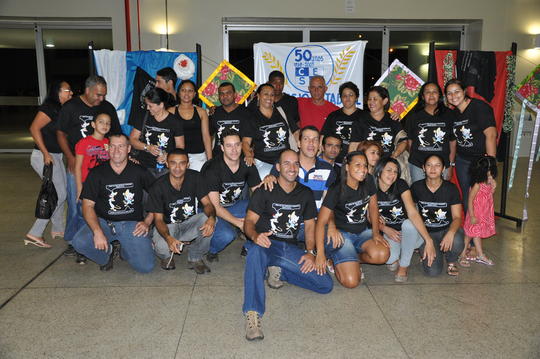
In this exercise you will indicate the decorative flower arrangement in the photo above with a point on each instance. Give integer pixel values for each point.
(184, 67)
(529, 89)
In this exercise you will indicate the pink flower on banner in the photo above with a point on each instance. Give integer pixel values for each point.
(238, 98)
(223, 73)
(210, 90)
(399, 107)
(399, 77)
(410, 83)
(527, 90)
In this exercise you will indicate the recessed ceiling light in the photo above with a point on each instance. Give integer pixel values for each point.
(49, 45)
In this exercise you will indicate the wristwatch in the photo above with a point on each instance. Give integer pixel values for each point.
(145, 147)
(452, 164)
(312, 252)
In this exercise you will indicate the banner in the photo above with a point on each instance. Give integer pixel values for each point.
(337, 62)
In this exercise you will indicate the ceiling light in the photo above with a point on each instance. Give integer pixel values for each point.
(49, 45)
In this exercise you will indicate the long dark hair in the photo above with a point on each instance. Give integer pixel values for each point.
(393, 190)
(383, 92)
(421, 104)
(479, 170)
(459, 83)
(362, 190)
(53, 93)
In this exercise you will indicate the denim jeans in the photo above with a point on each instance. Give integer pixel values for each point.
(72, 220)
(352, 245)
(226, 232)
(451, 256)
(283, 255)
(137, 251)
(464, 179)
(186, 231)
(403, 250)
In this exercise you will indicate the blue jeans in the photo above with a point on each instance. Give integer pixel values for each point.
(451, 256)
(403, 250)
(464, 179)
(137, 251)
(225, 232)
(72, 220)
(352, 246)
(283, 255)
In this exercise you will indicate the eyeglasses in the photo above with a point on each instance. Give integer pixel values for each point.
(66, 90)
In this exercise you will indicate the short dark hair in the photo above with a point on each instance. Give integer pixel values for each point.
(266, 84)
(157, 96)
(383, 92)
(178, 151)
(99, 114)
(196, 100)
(436, 155)
(168, 74)
(274, 74)
(94, 80)
(456, 82)
(285, 151)
(331, 135)
(308, 127)
(351, 86)
(121, 134)
(225, 84)
(229, 132)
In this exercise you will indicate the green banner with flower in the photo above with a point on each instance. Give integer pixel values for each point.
(529, 89)
(225, 72)
(403, 86)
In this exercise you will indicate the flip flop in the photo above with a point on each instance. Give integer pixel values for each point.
(484, 260)
(452, 270)
(38, 242)
(464, 262)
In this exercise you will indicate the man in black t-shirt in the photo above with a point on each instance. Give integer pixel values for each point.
(272, 223)
(226, 176)
(228, 116)
(174, 200)
(112, 208)
(73, 124)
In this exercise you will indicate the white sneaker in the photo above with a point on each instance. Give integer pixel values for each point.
(274, 275)
(253, 326)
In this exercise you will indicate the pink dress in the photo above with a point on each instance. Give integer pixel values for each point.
(484, 213)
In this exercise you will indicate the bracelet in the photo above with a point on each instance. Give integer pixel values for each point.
(146, 147)
(312, 252)
(452, 164)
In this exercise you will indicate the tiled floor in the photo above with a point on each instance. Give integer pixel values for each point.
(70, 311)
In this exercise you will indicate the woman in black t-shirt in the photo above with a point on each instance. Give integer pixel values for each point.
(474, 129)
(441, 210)
(196, 125)
(400, 221)
(349, 239)
(267, 134)
(47, 151)
(340, 122)
(429, 130)
(158, 133)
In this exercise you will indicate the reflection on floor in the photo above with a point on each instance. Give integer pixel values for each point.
(72, 310)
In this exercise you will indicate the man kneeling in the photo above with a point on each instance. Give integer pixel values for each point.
(174, 200)
(272, 223)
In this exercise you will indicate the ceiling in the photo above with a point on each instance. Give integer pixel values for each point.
(61, 38)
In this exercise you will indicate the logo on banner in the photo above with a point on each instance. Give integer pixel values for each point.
(304, 62)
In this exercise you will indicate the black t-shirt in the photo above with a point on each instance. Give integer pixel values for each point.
(350, 206)
(193, 132)
(435, 208)
(391, 208)
(341, 124)
(117, 197)
(282, 212)
(48, 132)
(177, 206)
(288, 103)
(383, 131)
(469, 129)
(430, 134)
(157, 133)
(269, 136)
(222, 120)
(229, 185)
(75, 116)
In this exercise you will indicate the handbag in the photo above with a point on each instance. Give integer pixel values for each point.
(47, 197)
(292, 141)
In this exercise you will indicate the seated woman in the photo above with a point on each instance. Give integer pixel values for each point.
(400, 222)
(349, 239)
(372, 150)
(440, 206)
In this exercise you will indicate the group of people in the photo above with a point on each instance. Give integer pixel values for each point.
(315, 189)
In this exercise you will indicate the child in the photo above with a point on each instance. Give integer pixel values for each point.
(480, 217)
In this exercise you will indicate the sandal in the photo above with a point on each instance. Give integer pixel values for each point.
(464, 262)
(452, 270)
(484, 260)
(330, 266)
(38, 242)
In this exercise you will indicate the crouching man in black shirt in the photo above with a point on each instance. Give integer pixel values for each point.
(174, 200)
(272, 223)
(112, 208)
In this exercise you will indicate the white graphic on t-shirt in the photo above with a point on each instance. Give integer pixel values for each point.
(172, 217)
(344, 130)
(187, 210)
(266, 138)
(274, 222)
(119, 205)
(421, 137)
(147, 137)
(339, 129)
(281, 135)
(230, 193)
(438, 137)
(285, 220)
(386, 140)
(274, 137)
(157, 136)
(371, 135)
(162, 141)
(357, 211)
(85, 122)
(293, 221)
(433, 214)
(396, 213)
(222, 127)
(465, 139)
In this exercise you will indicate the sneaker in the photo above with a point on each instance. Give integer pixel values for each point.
(211, 257)
(114, 254)
(168, 265)
(243, 252)
(274, 275)
(70, 251)
(253, 326)
(80, 259)
(199, 267)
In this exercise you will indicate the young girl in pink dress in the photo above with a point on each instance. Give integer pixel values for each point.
(480, 217)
